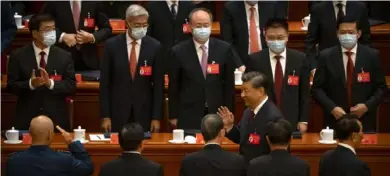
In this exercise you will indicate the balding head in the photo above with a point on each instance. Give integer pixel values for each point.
(211, 127)
(200, 17)
(41, 130)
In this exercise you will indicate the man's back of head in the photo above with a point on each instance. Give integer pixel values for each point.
(279, 134)
(41, 130)
(349, 130)
(212, 128)
(131, 137)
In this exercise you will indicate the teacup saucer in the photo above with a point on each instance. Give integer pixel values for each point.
(327, 142)
(176, 142)
(20, 27)
(82, 141)
(304, 28)
(13, 142)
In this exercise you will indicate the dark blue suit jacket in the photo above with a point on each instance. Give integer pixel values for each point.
(41, 160)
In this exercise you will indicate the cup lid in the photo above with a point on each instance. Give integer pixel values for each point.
(17, 16)
(12, 130)
(79, 129)
(327, 129)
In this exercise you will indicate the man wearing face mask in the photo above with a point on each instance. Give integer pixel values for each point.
(349, 78)
(41, 75)
(242, 25)
(342, 160)
(289, 70)
(201, 75)
(132, 76)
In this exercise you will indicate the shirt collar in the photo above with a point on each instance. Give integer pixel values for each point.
(248, 7)
(344, 2)
(38, 50)
(135, 152)
(348, 147)
(197, 45)
(353, 50)
(169, 2)
(272, 54)
(212, 143)
(257, 109)
(129, 40)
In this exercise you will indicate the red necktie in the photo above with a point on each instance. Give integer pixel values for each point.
(133, 59)
(76, 14)
(42, 63)
(253, 34)
(350, 68)
(278, 80)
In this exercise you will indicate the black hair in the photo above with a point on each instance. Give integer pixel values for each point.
(131, 136)
(276, 23)
(347, 125)
(36, 21)
(257, 80)
(279, 132)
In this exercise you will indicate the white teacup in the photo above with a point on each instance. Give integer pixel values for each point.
(12, 135)
(79, 134)
(178, 135)
(237, 77)
(326, 134)
(18, 19)
(305, 21)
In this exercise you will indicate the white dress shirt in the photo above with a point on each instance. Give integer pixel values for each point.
(248, 19)
(130, 46)
(273, 62)
(212, 143)
(336, 9)
(345, 58)
(37, 52)
(199, 51)
(257, 109)
(348, 147)
(169, 2)
(135, 152)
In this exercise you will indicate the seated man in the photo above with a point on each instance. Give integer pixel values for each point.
(131, 162)
(342, 160)
(279, 162)
(39, 159)
(212, 160)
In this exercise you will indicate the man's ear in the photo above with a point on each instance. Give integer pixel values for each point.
(359, 33)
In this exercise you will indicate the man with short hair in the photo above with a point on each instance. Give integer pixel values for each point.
(212, 160)
(251, 131)
(279, 162)
(39, 159)
(349, 78)
(201, 77)
(342, 160)
(41, 75)
(131, 162)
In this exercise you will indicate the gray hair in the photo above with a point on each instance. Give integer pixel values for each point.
(200, 9)
(136, 10)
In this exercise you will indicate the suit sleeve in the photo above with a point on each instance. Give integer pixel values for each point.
(173, 88)
(67, 85)
(50, 8)
(16, 84)
(304, 92)
(360, 170)
(311, 39)
(234, 134)
(81, 163)
(184, 167)
(229, 81)
(160, 171)
(158, 84)
(105, 79)
(378, 79)
(8, 26)
(365, 37)
(104, 28)
(319, 84)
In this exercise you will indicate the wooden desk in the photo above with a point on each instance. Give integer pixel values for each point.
(86, 109)
(377, 156)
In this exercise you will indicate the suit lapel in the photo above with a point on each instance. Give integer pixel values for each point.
(339, 64)
(83, 13)
(194, 60)
(50, 66)
(166, 10)
(268, 70)
(32, 60)
(124, 55)
(330, 7)
(211, 53)
(359, 63)
(141, 56)
(68, 6)
(290, 66)
(242, 18)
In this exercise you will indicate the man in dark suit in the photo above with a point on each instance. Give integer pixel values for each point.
(167, 22)
(39, 159)
(323, 21)
(242, 25)
(212, 160)
(349, 78)
(8, 31)
(201, 78)
(250, 133)
(132, 80)
(279, 162)
(289, 69)
(131, 162)
(76, 23)
(342, 160)
(41, 75)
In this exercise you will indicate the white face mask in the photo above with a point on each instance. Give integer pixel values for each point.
(348, 41)
(138, 32)
(202, 33)
(49, 38)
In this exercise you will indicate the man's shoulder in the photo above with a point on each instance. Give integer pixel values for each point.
(299, 162)
(232, 5)
(151, 41)
(220, 43)
(295, 54)
(182, 45)
(114, 39)
(59, 51)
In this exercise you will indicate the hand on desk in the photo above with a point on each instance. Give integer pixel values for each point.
(173, 122)
(106, 124)
(67, 136)
(155, 126)
(302, 127)
(227, 117)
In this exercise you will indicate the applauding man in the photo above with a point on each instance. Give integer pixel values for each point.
(41, 75)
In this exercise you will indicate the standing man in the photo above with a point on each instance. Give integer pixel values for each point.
(323, 21)
(213, 160)
(201, 77)
(8, 31)
(342, 160)
(289, 88)
(132, 80)
(41, 75)
(168, 23)
(279, 161)
(76, 23)
(242, 26)
(251, 131)
(349, 78)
